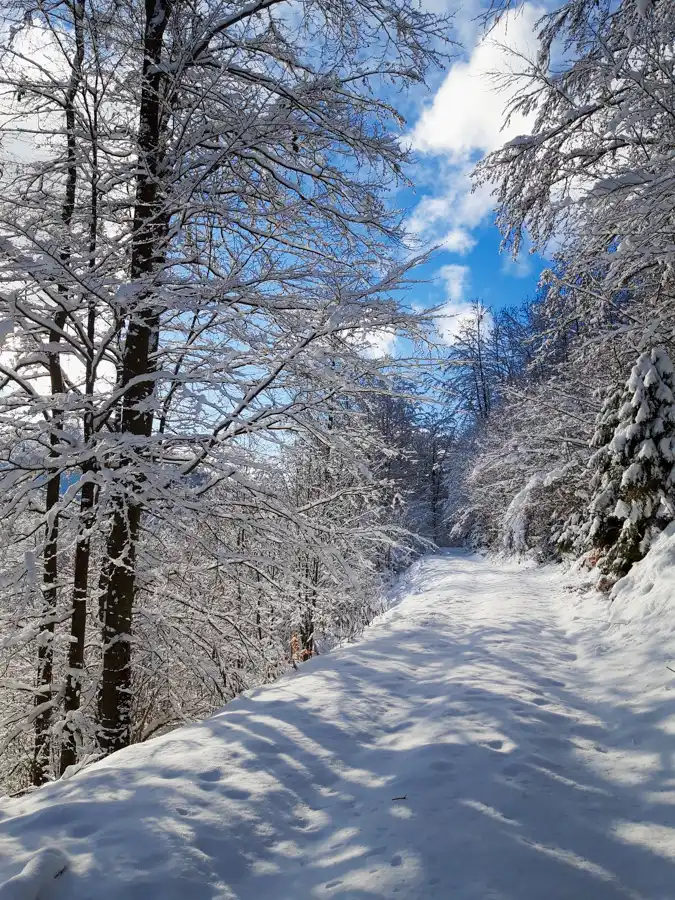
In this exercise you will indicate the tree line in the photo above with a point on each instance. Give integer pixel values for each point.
(199, 462)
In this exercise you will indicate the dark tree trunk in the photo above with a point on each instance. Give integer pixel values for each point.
(306, 634)
(114, 701)
(149, 231)
(43, 697)
(45, 653)
(81, 566)
(78, 624)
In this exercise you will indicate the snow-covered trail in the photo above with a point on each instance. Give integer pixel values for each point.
(477, 744)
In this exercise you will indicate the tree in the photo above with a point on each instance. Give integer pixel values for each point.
(594, 519)
(417, 439)
(520, 472)
(595, 172)
(593, 175)
(633, 497)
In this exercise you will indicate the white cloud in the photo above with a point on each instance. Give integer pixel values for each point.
(466, 120)
(517, 268)
(450, 215)
(456, 279)
(467, 113)
(458, 240)
(378, 343)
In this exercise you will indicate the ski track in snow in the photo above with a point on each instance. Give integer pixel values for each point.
(494, 736)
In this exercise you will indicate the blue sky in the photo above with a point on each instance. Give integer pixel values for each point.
(451, 126)
(493, 278)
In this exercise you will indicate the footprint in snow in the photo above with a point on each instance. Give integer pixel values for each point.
(544, 763)
(236, 794)
(400, 726)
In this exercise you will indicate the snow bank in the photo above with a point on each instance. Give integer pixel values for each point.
(35, 878)
(647, 593)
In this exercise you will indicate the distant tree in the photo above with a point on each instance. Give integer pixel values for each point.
(416, 441)
(518, 477)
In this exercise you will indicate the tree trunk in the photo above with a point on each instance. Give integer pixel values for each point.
(45, 653)
(149, 232)
(78, 624)
(81, 564)
(114, 701)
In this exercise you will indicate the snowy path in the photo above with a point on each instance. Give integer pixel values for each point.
(478, 744)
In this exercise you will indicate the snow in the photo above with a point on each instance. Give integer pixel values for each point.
(643, 7)
(647, 594)
(497, 734)
(36, 876)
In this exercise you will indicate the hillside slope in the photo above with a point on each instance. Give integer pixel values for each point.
(494, 736)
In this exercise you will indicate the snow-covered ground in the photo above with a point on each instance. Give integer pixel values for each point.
(495, 736)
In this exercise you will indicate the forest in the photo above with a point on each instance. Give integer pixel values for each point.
(211, 462)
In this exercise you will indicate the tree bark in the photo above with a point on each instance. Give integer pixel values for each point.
(78, 625)
(45, 652)
(149, 231)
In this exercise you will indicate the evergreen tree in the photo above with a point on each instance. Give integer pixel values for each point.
(594, 525)
(632, 500)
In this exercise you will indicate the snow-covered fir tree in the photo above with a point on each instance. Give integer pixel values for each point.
(592, 521)
(633, 489)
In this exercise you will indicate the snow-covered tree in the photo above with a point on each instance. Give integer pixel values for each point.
(633, 498)
(575, 534)
(520, 475)
(417, 441)
(595, 173)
